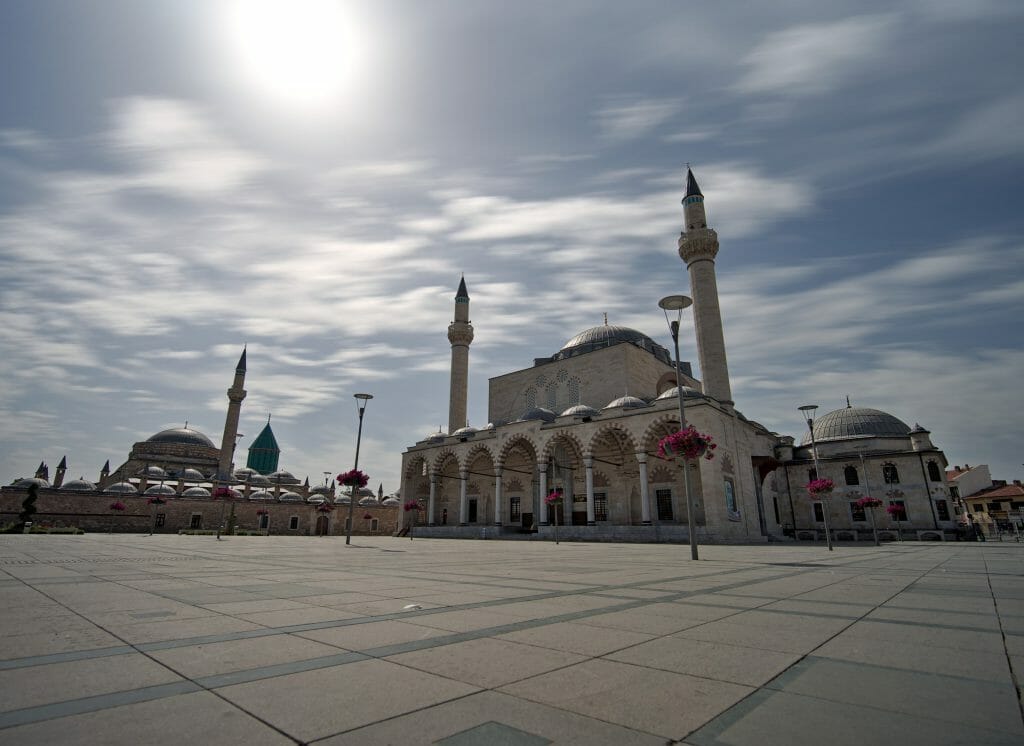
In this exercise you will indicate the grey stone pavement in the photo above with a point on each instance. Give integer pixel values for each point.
(127, 639)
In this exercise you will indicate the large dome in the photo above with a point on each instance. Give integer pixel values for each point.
(183, 435)
(856, 422)
(608, 335)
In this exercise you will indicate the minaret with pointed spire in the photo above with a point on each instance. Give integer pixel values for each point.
(235, 396)
(460, 334)
(104, 474)
(698, 246)
(62, 469)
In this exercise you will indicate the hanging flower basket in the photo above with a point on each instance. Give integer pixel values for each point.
(553, 497)
(353, 478)
(896, 511)
(118, 506)
(324, 507)
(225, 493)
(261, 511)
(869, 502)
(687, 443)
(411, 505)
(819, 488)
(155, 501)
(368, 517)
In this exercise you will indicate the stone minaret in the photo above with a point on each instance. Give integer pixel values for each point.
(235, 396)
(62, 469)
(698, 246)
(460, 334)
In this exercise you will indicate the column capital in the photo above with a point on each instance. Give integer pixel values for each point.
(588, 462)
(542, 467)
(641, 456)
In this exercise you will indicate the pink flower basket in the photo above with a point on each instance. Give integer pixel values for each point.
(353, 478)
(411, 505)
(869, 502)
(819, 488)
(155, 501)
(687, 443)
(553, 497)
(897, 511)
(224, 493)
(118, 506)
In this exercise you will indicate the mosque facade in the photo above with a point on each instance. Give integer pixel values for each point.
(585, 423)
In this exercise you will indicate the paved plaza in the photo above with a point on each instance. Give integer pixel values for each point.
(128, 639)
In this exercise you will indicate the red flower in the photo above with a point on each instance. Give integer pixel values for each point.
(353, 478)
(155, 501)
(368, 517)
(118, 506)
(687, 443)
(411, 505)
(553, 497)
(226, 492)
(869, 502)
(819, 487)
(325, 507)
(897, 511)
(261, 511)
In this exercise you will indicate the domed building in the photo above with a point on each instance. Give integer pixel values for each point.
(585, 422)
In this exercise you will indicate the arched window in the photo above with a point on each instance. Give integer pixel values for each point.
(934, 474)
(850, 472)
(889, 474)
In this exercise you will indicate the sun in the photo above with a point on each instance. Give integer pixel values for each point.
(303, 52)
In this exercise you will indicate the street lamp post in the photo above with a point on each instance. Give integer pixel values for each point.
(808, 410)
(678, 303)
(361, 402)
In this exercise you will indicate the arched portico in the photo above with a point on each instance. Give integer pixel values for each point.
(517, 464)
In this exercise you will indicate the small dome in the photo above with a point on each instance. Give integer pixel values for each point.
(316, 500)
(626, 402)
(191, 475)
(538, 413)
(30, 481)
(493, 425)
(282, 477)
(369, 501)
(181, 435)
(391, 502)
(290, 497)
(160, 489)
(322, 489)
(122, 488)
(196, 492)
(153, 472)
(580, 410)
(436, 436)
(342, 500)
(261, 495)
(244, 473)
(79, 485)
(464, 431)
(856, 422)
(688, 393)
(258, 479)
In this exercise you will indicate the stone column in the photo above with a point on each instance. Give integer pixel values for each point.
(498, 500)
(543, 507)
(645, 498)
(463, 500)
(430, 502)
(588, 463)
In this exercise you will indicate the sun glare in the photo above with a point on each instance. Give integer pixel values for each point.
(303, 52)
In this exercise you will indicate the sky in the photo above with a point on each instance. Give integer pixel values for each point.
(180, 178)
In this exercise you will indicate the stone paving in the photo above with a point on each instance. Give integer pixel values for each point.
(126, 639)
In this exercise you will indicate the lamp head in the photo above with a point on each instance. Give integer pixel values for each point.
(675, 302)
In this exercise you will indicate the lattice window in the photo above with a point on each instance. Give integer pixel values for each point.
(663, 499)
(600, 506)
(850, 473)
(890, 474)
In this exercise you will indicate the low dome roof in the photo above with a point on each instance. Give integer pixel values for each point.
(467, 430)
(579, 410)
(192, 475)
(369, 501)
(856, 422)
(261, 495)
(626, 402)
(126, 488)
(154, 472)
(538, 413)
(391, 501)
(244, 471)
(79, 485)
(257, 479)
(196, 492)
(599, 337)
(688, 393)
(183, 435)
(39, 482)
(160, 489)
(289, 497)
(283, 476)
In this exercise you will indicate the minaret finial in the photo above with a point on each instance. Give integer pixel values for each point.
(848, 405)
(606, 318)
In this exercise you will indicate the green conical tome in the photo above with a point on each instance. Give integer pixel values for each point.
(264, 452)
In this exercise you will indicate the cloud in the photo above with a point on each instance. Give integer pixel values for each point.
(25, 141)
(812, 59)
(628, 120)
(990, 130)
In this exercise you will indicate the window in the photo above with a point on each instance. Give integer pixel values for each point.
(374, 524)
(197, 521)
(664, 501)
(513, 508)
(850, 472)
(977, 507)
(293, 523)
(600, 506)
(954, 492)
(857, 512)
(890, 474)
(775, 505)
(933, 472)
(472, 509)
(264, 520)
(819, 512)
(161, 518)
(902, 515)
(812, 474)
(730, 501)
(942, 510)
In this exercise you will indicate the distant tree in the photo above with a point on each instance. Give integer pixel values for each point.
(28, 505)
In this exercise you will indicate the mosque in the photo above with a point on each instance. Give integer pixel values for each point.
(564, 426)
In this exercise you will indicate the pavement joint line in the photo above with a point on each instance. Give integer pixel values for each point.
(1015, 676)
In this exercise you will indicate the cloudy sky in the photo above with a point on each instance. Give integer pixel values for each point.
(179, 178)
